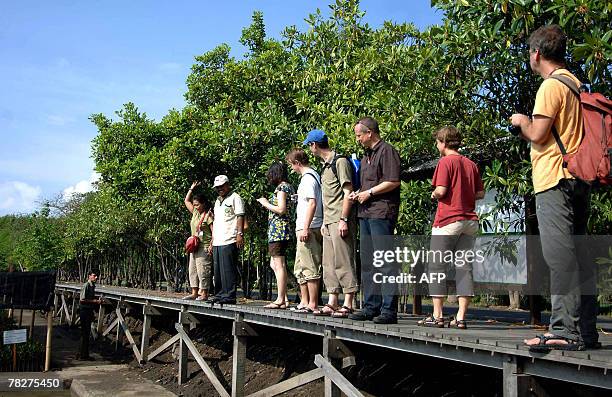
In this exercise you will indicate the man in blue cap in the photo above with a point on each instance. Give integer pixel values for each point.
(339, 226)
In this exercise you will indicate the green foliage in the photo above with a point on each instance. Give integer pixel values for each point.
(242, 114)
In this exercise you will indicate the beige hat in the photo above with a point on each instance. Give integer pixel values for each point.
(221, 180)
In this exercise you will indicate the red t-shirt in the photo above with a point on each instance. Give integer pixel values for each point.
(460, 175)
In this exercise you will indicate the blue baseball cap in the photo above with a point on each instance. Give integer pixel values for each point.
(315, 136)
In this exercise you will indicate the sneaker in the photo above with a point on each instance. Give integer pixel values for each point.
(361, 316)
(385, 319)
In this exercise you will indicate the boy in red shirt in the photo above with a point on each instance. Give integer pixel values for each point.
(457, 186)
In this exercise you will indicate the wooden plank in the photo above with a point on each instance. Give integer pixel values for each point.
(128, 334)
(290, 384)
(144, 339)
(196, 354)
(163, 347)
(339, 380)
(111, 327)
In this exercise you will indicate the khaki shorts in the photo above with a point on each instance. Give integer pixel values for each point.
(339, 273)
(457, 236)
(308, 257)
(200, 268)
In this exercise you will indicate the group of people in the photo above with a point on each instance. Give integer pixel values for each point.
(330, 207)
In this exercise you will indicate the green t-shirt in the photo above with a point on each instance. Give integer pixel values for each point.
(206, 234)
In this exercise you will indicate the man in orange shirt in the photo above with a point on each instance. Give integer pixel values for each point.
(562, 202)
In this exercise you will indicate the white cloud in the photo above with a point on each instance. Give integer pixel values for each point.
(18, 197)
(83, 186)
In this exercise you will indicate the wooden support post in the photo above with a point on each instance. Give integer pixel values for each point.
(148, 311)
(196, 355)
(515, 383)
(49, 339)
(73, 308)
(183, 358)
(336, 377)
(20, 317)
(32, 319)
(417, 303)
(101, 315)
(55, 302)
(241, 331)
(331, 390)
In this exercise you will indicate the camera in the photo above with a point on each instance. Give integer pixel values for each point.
(515, 130)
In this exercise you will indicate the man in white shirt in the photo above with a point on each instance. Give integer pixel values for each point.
(227, 239)
(307, 267)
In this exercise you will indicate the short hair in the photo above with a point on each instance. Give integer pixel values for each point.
(322, 145)
(277, 173)
(297, 156)
(450, 136)
(550, 41)
(368, 122)
(202, 199)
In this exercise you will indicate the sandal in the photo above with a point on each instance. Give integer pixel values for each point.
(304, 309)
(544, 347)
(296, 308)
(459, 324)
(274, 305)
(343, 312)
(431, 321)
(322, 312)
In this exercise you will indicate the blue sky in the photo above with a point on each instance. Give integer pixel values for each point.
(65, 60)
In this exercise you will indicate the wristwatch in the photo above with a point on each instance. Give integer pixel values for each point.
(345, 219)
(240, 233)
(371, 192)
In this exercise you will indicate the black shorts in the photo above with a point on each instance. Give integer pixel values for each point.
(278, 248)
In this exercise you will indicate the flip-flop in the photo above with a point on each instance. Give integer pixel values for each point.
(274, 305)
(306, 310)
(343, 312)
(320, 312)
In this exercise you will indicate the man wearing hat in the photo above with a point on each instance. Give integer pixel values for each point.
(339, 226)
(227, 239)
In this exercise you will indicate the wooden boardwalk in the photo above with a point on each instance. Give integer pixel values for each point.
(487, 343)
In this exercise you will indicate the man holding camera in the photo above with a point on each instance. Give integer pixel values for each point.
(562, 201)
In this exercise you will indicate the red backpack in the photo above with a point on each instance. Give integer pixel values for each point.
(592, 162)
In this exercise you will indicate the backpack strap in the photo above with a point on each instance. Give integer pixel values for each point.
(569, 83)
(333, 165)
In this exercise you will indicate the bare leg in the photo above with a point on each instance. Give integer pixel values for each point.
(304, 295)
(464, 302)
(281, 278)
(438, 305)
(313, 293)
(348, 300)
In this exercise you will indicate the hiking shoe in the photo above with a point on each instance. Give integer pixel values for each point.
(385, 319)
(361, 316)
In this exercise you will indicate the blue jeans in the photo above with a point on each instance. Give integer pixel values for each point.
(379, 298)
